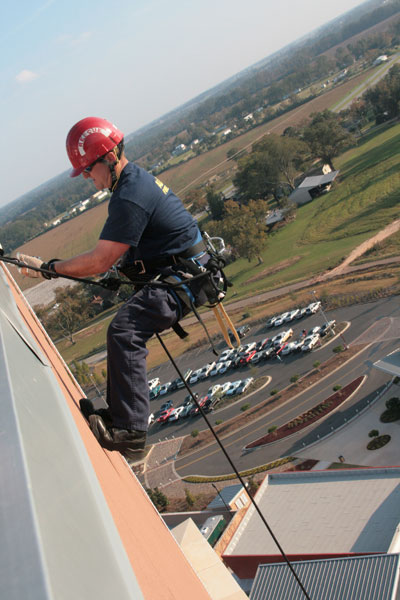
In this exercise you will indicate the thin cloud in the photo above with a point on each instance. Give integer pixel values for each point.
(26, 76)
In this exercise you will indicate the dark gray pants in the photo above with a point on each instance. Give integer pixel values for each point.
(148, 311)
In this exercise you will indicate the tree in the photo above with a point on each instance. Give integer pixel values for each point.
(326, 137)
(244, 228)
(68, 315)
(215, 203)
(273, 163)
(159, 499)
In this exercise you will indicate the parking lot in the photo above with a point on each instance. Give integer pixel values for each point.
(279, 348)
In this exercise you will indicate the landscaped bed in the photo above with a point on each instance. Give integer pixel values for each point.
(306, 419)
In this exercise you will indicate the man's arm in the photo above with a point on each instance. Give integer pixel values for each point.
(98, 260)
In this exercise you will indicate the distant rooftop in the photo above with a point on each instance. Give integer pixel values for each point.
(364, 577)
(322, 513)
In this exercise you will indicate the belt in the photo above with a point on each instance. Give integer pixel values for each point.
(142, 266)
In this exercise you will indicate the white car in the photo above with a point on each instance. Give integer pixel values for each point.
(151, 418)
(231, 391)
(281, 319)
(290, 347)
(281, 338)
(165, 388)
(216, 369)
(176, 413)
(154, 382)
(313, 307)
(195, 377)
(245, 385)
(314, 331)
(292, 315)
(248, 347)
(206, 370)
(226, 354)
(225, 366)
(271, 321)
(224, 388)
(214, 389)
(309, 343)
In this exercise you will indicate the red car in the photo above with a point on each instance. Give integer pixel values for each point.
(164, 416)
(245, 359)
(195, 410)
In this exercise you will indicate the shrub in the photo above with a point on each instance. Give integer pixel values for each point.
(393, 403)
(245, 407)
(294, 378)
(316, 364)
(272, 428)
(378, 442)
(337, 349)
(190, 499)
(195, 433)
(273, 392)
(373, 433)
(219, 422)
(337, 387)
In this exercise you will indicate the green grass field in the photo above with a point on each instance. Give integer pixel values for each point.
(362, 202)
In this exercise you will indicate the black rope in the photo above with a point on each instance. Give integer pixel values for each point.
(203, 414)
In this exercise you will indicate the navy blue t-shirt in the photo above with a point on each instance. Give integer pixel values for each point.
(144, 213)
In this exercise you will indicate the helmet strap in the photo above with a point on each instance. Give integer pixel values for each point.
(111, 166)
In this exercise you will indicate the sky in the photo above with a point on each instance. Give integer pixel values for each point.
(130, 62)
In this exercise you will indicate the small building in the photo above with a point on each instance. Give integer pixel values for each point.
(233, 496)
(248, 117)
(178, 150)
(381, 59)
(312, 187)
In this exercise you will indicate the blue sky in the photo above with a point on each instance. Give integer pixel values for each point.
(128, 61)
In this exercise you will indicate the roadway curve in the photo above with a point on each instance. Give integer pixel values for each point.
(380, 319)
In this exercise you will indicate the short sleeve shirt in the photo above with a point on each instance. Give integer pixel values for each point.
(144, 213)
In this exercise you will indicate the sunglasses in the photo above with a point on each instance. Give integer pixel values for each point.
(90, 167)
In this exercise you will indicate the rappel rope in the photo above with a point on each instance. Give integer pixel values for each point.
(113, 283)
(236, 471)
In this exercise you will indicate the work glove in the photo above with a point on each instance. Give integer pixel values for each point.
(37, 263)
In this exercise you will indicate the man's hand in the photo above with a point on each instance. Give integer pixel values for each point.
(30, 261)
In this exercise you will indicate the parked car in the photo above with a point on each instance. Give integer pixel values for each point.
(314, 330)
(195, 377)
(151, 419)
(224, 388)
(281, 337)
(213, 389)
(206, 370)
(231, 391)
(309, 343)
(166, 405)
(292, 315)
(186, 410)
(256, 357)
(226, 354)
(165, 388)
(302, 313)
(246, 358)
(327, 327)
(313, 307)
(180, 383)
(288, 348)
(215, 371)
(195, 410)
(261, 344)
(153, 382)
(225, 366)
(269, 352)
(270, 322)
(164, 416)
(176, 413)
(155, 392)
(298, 344)
(243, 387)
(243, 330)
(281, 319)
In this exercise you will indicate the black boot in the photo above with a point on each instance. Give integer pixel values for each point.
(129, 442)
(88, 409)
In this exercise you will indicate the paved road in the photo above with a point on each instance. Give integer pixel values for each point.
(381, 316)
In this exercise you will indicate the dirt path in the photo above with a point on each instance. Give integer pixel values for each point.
(360, 250)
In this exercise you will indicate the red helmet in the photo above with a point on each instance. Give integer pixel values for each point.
(88, 140)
